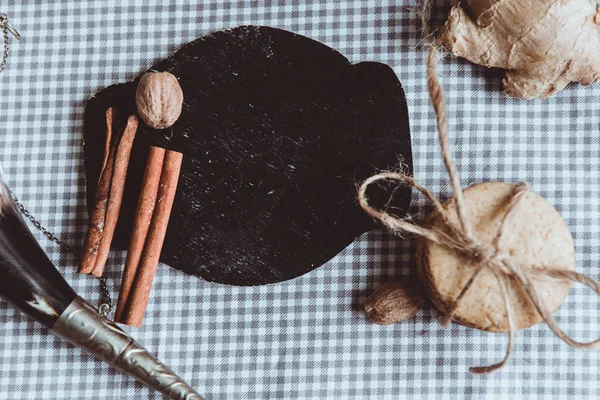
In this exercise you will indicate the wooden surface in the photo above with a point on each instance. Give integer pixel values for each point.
(276, 131)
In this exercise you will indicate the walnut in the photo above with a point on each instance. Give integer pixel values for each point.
(159, 99)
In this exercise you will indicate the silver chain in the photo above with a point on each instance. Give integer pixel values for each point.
(4, 27)
(105, 298)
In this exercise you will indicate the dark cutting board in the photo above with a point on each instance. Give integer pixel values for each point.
(276, 130)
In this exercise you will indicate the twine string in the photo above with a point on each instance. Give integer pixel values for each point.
(459, 237)
(439, 105)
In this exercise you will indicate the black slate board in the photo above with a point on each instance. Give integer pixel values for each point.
(276, 131)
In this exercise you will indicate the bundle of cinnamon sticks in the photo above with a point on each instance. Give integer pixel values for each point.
(148, 234)
(109, 194)
(151, 220)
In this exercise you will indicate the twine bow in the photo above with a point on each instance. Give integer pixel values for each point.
(461, 239)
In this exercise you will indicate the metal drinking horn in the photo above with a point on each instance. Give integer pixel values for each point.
(29, 281)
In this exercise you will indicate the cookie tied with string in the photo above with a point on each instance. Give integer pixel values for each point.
(535, 237)
(496, 256)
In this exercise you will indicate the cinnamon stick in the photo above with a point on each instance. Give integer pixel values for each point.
(97, 217)
(116, 194)
(110, 116)
(141, 225)
(140, 291)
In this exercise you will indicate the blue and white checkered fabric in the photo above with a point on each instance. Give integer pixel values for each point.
(306, 338)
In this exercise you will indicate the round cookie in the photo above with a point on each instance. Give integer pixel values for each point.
(535, 236)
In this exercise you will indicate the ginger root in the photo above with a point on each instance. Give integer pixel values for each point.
(542, 44)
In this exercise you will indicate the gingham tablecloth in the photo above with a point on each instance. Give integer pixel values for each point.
(306, 338)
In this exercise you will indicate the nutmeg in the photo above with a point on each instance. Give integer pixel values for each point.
(393, 302)
(159, 99)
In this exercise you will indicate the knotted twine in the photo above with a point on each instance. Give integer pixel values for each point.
(460, 237)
